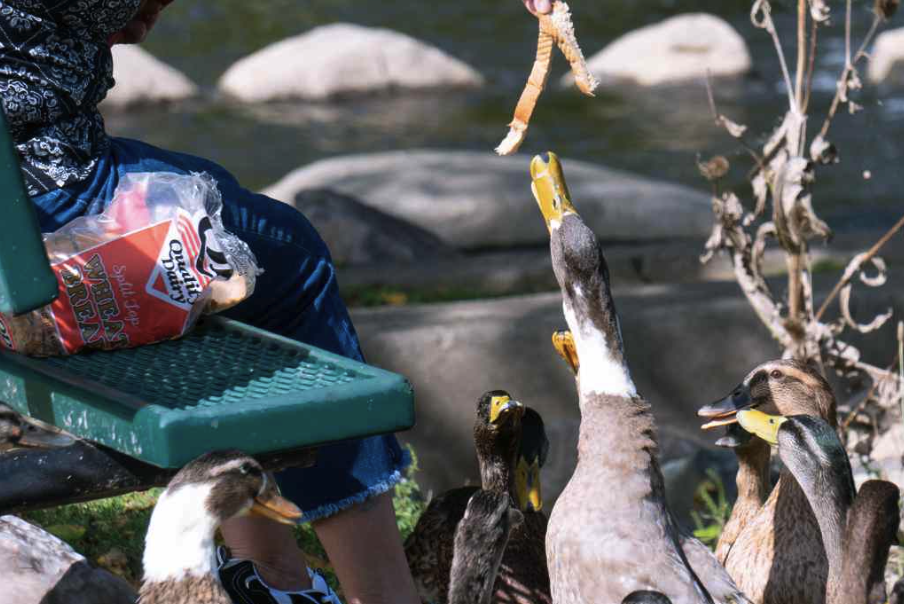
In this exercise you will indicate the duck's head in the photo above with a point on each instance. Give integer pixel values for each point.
(19, 431)
(205, 493)
(497, 434)
(780, 387)
(583, 277)
(498, 413)
(531, 457)
(808, 445)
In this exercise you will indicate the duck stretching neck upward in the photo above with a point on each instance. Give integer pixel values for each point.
(583, 275)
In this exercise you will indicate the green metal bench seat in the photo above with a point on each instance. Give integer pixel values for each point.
(224, 385)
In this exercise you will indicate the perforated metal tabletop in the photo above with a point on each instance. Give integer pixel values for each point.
(223, 385)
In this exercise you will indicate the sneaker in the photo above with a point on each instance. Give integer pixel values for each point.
(245, 586)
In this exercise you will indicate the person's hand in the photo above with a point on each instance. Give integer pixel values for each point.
(136, 30)
(538, 7)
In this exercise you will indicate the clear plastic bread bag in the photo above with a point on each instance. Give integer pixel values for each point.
(142, 271)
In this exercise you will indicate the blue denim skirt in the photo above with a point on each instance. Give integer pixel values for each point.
(297, 296)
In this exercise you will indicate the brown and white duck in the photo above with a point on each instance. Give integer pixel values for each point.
(611, 532)
(480, 541)
(511, 448)
(857, 529)
(179, 555)
(770, 540)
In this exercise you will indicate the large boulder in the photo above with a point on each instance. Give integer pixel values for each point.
(687, 345)
(141, 78)
(38, 568)
(475, 200)
(359, 235)
(887, 55)
(675, 50)
(342, 59)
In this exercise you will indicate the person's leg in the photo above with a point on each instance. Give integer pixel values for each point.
(346, 492)
(271, 547)
(365, 548)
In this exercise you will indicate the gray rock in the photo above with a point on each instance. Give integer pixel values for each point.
(357, 234)
(343, 59)
(38, 568)
(687, 345)
(141, 78)
(475, 200)
(887, 56)
(679, 49)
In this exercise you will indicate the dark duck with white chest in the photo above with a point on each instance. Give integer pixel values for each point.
(610, 533)
(511, 447)
(857, 529)
(179, 555)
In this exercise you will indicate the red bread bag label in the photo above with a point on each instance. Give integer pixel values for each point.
(136, 289)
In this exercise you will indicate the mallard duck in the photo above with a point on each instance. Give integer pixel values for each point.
(611, 532)
(480, 540)
(16, 430)
(857, 528)
(179, 555)
(770, 544)
(511, 447)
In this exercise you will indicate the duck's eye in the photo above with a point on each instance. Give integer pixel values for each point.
(247, 468)
(776, 374)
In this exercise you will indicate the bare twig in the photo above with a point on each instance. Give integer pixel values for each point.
(811, 67)
(764, 10)
(801, 53)
(846, 278)
(850, 64)
(869, 395)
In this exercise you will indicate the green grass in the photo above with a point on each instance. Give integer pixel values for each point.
(712, 509)
(110, 532)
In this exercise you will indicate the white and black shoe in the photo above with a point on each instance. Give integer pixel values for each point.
(243, 584)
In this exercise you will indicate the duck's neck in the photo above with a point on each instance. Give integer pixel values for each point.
(180, 538)
(496, 460)
(753, 489)
(829, 500)
(598, 341)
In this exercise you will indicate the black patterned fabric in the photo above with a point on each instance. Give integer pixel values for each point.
(55, 67)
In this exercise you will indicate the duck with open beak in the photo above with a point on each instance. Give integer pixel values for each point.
(772, 532)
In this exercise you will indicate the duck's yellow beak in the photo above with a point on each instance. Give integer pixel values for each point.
(503, 407)
(550, 190)
(527, 485)
(270, 504)
(563, 342)
(761, 424)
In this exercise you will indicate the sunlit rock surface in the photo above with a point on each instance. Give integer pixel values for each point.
(343, 59)
(143, 79)
(887, 55)
(675, 50)
(475, 200)
(38, 568)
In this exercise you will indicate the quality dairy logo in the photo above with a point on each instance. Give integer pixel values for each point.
(181, 272)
